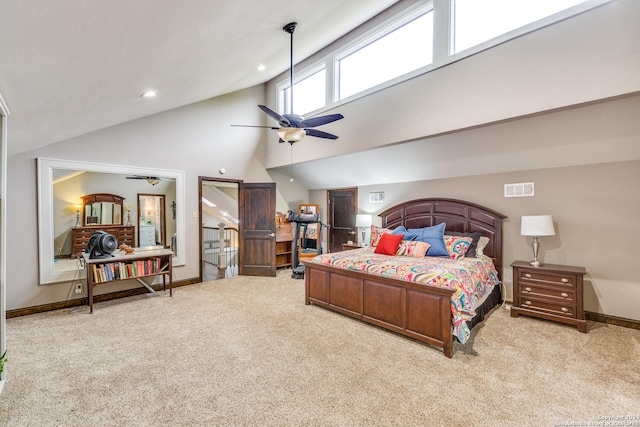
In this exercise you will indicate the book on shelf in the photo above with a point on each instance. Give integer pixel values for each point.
(109, 271)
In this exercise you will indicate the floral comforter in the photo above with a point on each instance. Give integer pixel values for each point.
(471, 278)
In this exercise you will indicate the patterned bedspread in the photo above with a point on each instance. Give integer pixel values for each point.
(471, 278)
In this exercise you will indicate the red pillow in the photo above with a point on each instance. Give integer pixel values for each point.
(388, 244)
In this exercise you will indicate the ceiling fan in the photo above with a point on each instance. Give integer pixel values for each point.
(293, 127)
(153, 180)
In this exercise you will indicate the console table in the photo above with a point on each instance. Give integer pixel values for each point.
(122, 266)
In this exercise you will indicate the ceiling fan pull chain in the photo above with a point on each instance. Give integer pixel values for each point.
(291, 164)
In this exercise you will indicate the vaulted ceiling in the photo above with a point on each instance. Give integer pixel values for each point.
(68, 68)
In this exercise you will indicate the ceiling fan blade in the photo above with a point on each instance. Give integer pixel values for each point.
(320, 134)
(277, 117)
(322, 120)
(255, 126)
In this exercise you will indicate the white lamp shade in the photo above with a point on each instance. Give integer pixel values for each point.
(291, 134)
(363, 220)
(537, 225)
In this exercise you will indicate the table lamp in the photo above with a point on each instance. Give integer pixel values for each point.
(363, 221)
(536, 226)
(77, 208)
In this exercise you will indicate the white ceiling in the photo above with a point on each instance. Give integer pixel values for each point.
(70, 67)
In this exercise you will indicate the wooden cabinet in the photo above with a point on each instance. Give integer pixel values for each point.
(80, 236)
(284, 243)
(552, 292)
(348, 246)
(283, 253)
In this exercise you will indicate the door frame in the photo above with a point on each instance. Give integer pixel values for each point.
(163, 217)
(239, 182)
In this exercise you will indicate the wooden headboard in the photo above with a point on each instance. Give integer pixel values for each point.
(458, 215)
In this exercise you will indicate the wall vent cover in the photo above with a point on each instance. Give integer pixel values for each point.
(377, 197)
(520, 189)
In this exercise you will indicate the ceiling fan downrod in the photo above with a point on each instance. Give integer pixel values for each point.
(290, 28)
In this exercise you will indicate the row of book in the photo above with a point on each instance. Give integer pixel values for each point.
(129, 270)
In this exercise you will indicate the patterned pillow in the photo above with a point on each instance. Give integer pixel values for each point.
(413, 249)
(457, 246)
(376, 233)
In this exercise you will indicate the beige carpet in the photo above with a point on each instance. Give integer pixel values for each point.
(247, 351)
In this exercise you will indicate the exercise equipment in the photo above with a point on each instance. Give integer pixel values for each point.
(302, 221)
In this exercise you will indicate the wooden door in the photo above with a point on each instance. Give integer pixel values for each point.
(342, 217)
(257, 229)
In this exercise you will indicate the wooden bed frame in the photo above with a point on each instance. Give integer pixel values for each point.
(422, 312)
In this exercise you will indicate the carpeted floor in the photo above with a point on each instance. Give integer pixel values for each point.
(248, 352)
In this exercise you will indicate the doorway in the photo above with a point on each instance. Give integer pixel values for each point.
(219, 226)
(152, 220)
(342, 217)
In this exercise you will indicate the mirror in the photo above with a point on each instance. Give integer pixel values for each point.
(57, 214)
(102, 209)
(151, 220)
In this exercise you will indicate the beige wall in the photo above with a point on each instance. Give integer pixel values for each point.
(595, 210)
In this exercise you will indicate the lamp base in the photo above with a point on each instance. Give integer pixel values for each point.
(536, 245)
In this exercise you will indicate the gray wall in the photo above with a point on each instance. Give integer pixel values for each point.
(595, 212)
(197, 139)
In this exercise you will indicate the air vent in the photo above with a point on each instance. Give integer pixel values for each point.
(521, 189)
(377, 197)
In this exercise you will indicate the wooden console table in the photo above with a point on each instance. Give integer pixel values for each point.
(141, 263)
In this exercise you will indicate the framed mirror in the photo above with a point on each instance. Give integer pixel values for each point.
(102, 209)
(52, 229)
(152, 229)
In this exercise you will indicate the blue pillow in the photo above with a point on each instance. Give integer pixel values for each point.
(434, 236)
(407, 235)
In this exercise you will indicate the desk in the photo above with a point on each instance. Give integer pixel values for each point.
(122, 266)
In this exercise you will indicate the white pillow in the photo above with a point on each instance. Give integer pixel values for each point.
(481, 245)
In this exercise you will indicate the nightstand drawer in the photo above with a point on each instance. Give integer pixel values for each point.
(566, 310)
(552, 294)
(528, 276)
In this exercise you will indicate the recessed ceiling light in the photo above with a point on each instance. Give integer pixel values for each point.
(262, 67)
(149, 94)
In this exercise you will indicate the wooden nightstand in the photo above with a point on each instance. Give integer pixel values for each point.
(347, 246)
(552, 292)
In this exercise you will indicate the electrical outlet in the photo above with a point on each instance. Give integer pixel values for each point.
(78, 288)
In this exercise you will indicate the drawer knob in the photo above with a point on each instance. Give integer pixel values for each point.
(563, 280)
(527, 302)
(564, 309)
(564, 294)
(527, 275)
(528, 289)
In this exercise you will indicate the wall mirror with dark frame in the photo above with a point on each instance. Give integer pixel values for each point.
(61, 186)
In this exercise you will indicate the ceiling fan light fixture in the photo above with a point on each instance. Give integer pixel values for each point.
(153, 181)
(291, 135)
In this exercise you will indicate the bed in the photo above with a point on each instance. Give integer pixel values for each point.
(424, 312)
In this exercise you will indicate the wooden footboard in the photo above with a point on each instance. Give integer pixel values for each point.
(421, 312)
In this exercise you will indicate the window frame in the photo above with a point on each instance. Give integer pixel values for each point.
(309, 71)
(442, 47)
